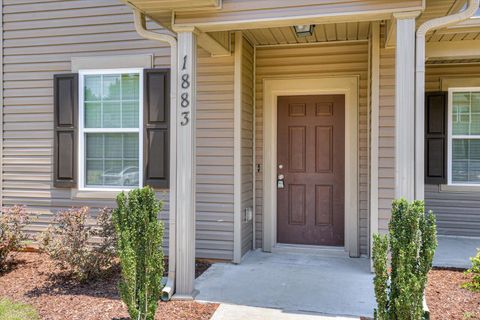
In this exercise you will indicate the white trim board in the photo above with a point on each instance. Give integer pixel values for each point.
(272, 89)
(237, 153)
(374, 129)
(1, 103)
(112, 62)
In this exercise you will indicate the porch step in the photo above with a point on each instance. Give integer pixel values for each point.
(325, 251)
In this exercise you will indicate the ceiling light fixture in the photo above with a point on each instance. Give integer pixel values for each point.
(304, 30)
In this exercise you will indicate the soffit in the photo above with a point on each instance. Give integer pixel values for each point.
(322, 33)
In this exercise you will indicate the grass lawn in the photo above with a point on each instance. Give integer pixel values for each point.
(16, 311)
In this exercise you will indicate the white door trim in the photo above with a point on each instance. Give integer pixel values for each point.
(273, 88)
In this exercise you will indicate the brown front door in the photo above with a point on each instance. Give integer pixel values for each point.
(311, 158)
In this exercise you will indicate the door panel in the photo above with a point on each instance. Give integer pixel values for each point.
(296, 143)
(324, 149)
(311, 158)
(323, 205)
(296, 211)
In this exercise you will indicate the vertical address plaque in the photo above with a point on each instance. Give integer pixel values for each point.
(185, 83)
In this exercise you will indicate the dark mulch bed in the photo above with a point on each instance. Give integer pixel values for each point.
(447, 300)
(35, 280)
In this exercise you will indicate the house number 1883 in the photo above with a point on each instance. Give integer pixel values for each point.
(184, 96)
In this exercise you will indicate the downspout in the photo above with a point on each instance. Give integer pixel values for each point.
(430, 25)
(140, 26)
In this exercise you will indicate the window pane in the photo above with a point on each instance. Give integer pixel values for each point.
(475, 124)
(94, 170)
(93, 114)
(93, 87)
(94, 146)
(130, 86)
(130, 173)
(130, 146)
(466, 161)
(476, 102)
(111, 87)
(461, 113)
(113, 171)
(111, 115)
(113, 145)
(130, 115)
(112, 159)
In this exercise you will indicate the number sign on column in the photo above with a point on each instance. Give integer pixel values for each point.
(185, 96)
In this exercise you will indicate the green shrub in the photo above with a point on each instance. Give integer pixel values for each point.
(16, 311)
(474, 284)
(411, 243)
(139, 247)
(12, 236)
(85, 251)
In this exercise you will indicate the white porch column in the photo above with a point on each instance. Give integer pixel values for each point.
(405, 106)
(185, 201)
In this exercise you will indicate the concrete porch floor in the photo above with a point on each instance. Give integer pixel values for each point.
(455, 252)
(292, 283)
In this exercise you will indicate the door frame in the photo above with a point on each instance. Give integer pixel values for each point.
(275, 87)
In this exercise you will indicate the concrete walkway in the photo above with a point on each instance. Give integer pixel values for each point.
(293, 284)
(455, 252)
(235, 312)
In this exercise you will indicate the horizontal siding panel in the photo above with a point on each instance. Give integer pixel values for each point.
(59, 5)
(246, 153)
(40, 39)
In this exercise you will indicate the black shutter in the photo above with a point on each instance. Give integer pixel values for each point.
(156, 118)
(65, 131)
(436, 137)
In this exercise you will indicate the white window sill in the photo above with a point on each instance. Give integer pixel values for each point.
(459, 188)
(107, 194)
(94, 194)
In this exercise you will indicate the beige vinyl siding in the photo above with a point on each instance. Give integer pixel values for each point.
(386, 152)
(41, 37)
(215, 156)
(349, 58)
(457, 212)
(247, 144)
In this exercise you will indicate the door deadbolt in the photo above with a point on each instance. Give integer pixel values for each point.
(281, 181)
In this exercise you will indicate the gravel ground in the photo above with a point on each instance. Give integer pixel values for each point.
(447, 300)
(35, 280)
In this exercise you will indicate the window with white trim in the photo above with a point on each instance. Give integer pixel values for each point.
(464, 136)
(110, 135)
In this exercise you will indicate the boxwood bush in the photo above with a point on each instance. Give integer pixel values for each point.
(474, 284)
(400, 285)
(139, 247)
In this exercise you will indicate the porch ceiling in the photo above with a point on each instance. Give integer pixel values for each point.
(322, 33)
